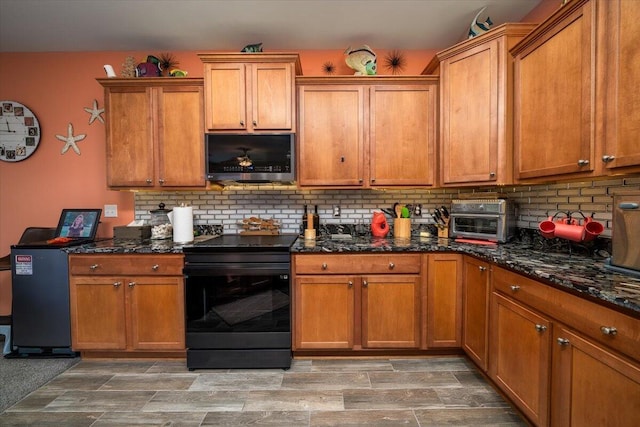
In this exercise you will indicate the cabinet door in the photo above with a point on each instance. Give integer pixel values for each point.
(156, 312)
(591, 385)
(97, 313)
(391, 311)
(225, 96)
(519, 356)
(554, 81)
(130, 148)
(402, 135)
(620, 58)
(324, 312)
(444, 300)
(469, 117)
(331, 135)
(272, 100)
(180, 144)
(475, 310)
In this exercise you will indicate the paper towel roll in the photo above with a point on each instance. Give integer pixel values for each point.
(182, 224)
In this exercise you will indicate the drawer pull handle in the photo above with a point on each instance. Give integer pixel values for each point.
(563, 341)
(609, 330)
(583, 162)
(607, 158)
(94, 266)
(482, 268)
(132, 284)
(515, 288)
(161, 181)
(155, 267)
(117, 284)
(350, 284)
(541, 328)
(391, 266)
(149, 181)
(365, 283)
(324, 266)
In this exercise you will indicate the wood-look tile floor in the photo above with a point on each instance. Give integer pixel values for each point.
(434, 391)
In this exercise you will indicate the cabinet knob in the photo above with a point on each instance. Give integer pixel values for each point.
(255, 123)
(607, 158)
(563, 341)
(373, 180)
(482, 268)
(492, 174)
(515, 288)
(365, 283)
(583, 162)
(149, 181)
(350, 284)
(608, 330)
(155, 267)
(541, 328)
(117, 284)
(132, 284)
(161, 181)
(94, 266)
(241, 122)
(324, 266)
(391, 266)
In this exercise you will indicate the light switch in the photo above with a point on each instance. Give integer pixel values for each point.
(110, 211)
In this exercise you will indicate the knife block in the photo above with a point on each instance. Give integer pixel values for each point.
(443, 230)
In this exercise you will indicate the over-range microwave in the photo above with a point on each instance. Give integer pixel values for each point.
(250, 158)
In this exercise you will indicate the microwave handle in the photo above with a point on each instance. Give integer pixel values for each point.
(628, 205)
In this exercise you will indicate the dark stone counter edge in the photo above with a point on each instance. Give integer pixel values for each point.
(580, 275)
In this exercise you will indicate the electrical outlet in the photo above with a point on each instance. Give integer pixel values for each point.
(110, 211)
(417, 209)
(336, 210)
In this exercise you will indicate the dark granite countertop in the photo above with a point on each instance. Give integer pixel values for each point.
(580, 274)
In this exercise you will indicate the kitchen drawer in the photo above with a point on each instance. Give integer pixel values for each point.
(357, 264)
(589, 318)
(133, 264)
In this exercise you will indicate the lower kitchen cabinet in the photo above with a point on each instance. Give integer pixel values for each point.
(127, 303)
(444, 300)
(591, 385)
(520, 351)
(475, 310)
(340, 307)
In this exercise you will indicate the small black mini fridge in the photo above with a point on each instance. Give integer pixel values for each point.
(41, 323)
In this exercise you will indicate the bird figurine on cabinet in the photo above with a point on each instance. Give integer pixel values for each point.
(362, 60)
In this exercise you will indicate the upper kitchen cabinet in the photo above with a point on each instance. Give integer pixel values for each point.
(154, 132)
(476, 89)
(250, 92)
(619, 76)
(366, 132)
(576, 115)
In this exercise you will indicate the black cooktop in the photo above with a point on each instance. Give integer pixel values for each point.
(243, 243)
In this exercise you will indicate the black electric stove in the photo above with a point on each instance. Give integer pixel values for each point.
(238, 302)
(243, 243)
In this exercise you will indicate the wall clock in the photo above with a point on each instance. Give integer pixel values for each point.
(19, 131)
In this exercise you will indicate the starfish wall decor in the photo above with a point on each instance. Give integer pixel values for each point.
(96, 113)
(70, 140)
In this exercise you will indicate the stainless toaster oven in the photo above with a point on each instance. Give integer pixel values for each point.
(492, 219)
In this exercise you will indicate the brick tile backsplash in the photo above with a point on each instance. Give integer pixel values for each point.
(284, 203)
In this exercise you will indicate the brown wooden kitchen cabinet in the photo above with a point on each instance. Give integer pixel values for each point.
(575, 115)
(247, 92)
(444, 300)
(154, 132)
(520, 354)
(359, 132)
(591, 385)
(356, 302)
(476, 126)
(476, 276)
(127, 303)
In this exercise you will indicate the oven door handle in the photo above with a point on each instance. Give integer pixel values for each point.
(235, 269)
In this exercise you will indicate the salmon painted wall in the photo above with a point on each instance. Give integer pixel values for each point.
(57, 87)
